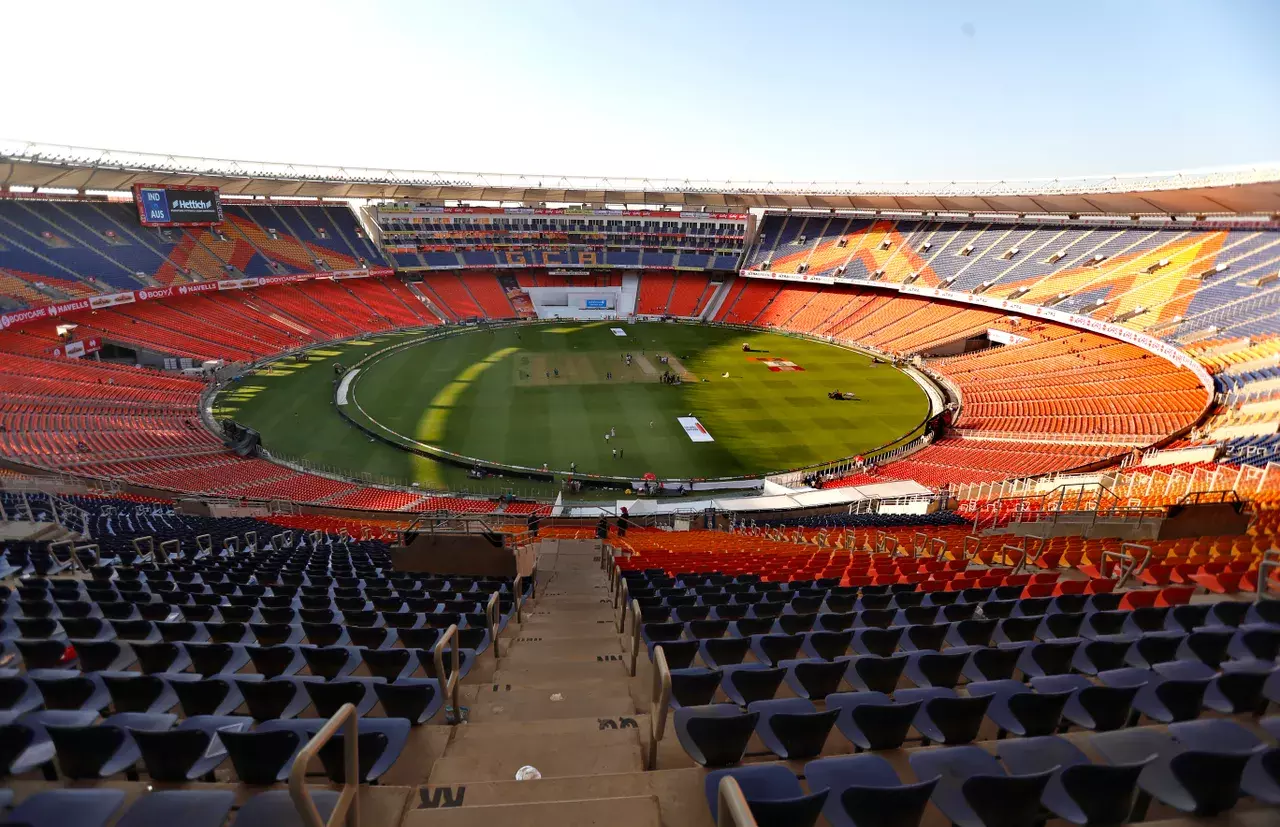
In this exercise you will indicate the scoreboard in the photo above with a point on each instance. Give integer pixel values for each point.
(176, 206)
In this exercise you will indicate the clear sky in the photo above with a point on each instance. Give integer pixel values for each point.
(758, 89)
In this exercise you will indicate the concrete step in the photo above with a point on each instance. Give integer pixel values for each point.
(549, 607)
(573, 651)
(21, 530)
(579, 699)
(488, 733)
(556, 605)
(569, 620)
(618, 682)
(558, 627)
(678, 791)
(497, 758)
(572, 548)
(531, 674)
(423, 748)
(551, 639)
(51, 533)
(470, 740)
(632, 811)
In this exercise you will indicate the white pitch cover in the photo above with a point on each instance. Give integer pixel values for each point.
(617, 331)
(694, 429)
(344, 387)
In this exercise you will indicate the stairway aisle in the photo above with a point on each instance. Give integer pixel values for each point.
(560, 700)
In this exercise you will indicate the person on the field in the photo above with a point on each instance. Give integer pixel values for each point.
(620, 452)
(615, 453)
(613, 431)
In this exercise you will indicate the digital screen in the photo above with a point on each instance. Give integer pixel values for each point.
(598, 303)
(161, 206)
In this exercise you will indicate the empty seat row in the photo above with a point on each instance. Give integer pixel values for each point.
(718, 734)
(191, 808)
(1165, 693)
(159, 621)
(207, 659)
(1199, 767)
(191, 749)
(1031, 644)
(266, 697)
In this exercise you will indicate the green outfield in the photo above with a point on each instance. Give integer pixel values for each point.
(549, 393)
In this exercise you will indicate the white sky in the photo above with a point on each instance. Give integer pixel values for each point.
(756, 89)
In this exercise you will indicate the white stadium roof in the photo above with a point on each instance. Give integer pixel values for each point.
(1248, 190)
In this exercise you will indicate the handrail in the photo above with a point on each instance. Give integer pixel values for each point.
(450, 684)
(251, 540)
(977, 547)
(204, 542)
(1123, 567)
(1004, 550)
(933, 548)
(883, 539)
(1028, 556)
(71, 553)
(89, 547)
(168, 550)
(616, 584)
(519, 588)
(625, 595)
(1139, 565)
(661, 705)
(344, 811)
(491, 612)
(1128, 564)
(1270, 562)
(1224, 495)
(150, 543)
(731, 805)
(635, 635)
